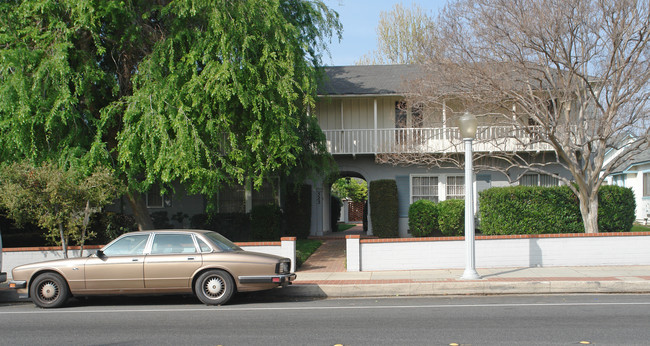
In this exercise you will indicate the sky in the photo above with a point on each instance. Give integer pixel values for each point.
(359, 19)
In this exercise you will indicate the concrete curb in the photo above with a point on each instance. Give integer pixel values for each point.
(462, 288)
(437, 288)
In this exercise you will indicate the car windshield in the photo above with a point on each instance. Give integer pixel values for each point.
(221, 242)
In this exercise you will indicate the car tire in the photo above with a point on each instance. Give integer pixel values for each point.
(214, 287)
(49, 290)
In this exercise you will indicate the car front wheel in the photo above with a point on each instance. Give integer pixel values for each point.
(49, 290)
(214, 287)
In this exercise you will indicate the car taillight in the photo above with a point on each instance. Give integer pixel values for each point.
(283, 268)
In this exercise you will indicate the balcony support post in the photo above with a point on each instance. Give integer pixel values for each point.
(374, 144)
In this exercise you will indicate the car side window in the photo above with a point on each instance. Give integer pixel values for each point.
(204, 247)
(173, 244)
(127, 245)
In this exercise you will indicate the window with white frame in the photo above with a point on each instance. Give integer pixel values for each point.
(267, 193)
(618, 180)
(156, 199)
(455, 187)
(535, 179)
(424, 187)
(646, 184)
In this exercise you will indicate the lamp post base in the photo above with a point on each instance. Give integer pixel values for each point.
(470, 274)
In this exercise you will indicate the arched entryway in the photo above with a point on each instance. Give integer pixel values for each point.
(351, 190)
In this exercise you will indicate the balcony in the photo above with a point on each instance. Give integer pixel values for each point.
(429, 140)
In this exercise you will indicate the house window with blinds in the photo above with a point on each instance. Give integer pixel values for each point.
(646, 184)
(456, 187)
(424, 187)
(535, 179)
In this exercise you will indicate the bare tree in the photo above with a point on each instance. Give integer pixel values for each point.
(569, 77)
(402, 35)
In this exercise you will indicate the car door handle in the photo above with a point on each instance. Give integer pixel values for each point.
(190, 258)
(134, 260)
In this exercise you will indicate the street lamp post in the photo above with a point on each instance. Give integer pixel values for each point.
(467, 125)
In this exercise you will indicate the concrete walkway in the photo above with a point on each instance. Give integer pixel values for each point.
(330, 256)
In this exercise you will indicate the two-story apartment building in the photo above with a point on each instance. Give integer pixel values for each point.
(363, 113)
(364, 116)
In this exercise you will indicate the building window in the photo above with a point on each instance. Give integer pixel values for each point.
(456, 187)
(155, 199)
(424, 187)
(535, 179)
(232, 199)
(618, 180)
(646, 184)
(267, 193)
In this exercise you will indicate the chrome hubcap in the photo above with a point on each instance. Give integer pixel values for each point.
(49, 290)
(214, 287)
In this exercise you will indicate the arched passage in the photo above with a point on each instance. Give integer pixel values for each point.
(351, 188)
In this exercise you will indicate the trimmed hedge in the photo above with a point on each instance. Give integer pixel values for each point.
(335, 212)
(234, 226)
(297, 212)
(529, 210)
(616, 209)
(538, 210)
(266, 222)
(384, 208)
(451, 217)
(423, 218)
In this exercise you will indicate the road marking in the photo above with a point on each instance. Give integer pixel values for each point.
(312, 308)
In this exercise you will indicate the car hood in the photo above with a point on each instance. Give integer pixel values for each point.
(66, 262)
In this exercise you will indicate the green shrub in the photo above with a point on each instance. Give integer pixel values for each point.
(160, 220)
(529, 210)
(109, 226)
(234, 226)
(451, 217)
(266, 221)
(297, 212)
(335, 211)
(423, 218)
(616, 209)
(384, 208)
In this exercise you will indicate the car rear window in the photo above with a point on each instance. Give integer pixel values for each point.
(220, 242)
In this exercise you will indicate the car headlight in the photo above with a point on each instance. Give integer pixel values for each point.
(283, 268)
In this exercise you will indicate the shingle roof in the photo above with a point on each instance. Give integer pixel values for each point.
(367, 79)
(641, 158)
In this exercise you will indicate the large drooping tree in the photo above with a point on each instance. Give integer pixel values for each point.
(567, 75)
(200, 92)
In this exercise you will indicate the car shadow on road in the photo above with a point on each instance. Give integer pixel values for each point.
(244, 298)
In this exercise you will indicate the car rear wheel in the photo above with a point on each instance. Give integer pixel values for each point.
(49, 290)
(214, 287)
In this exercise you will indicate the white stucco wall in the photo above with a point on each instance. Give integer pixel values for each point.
(576, 250)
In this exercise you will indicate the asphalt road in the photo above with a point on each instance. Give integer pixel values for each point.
(264, 320)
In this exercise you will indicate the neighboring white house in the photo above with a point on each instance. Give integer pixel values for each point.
(362, 112)
(635, 174)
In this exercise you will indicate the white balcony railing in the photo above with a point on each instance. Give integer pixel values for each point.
(429, 140)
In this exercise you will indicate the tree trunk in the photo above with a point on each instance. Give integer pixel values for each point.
(84, 228)
(64, 245)
(140, 212)
(589, 211)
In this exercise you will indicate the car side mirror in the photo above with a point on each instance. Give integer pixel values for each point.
(100, 254)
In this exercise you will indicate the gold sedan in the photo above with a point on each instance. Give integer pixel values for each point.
(155, 262)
